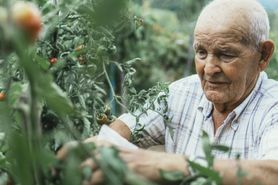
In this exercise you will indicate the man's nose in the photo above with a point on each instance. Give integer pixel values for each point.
(212, 65)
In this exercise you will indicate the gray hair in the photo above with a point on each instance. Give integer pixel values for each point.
(254, 14)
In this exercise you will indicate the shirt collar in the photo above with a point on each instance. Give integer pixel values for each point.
(205, 106)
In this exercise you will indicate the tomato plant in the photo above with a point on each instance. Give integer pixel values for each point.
(59, 87)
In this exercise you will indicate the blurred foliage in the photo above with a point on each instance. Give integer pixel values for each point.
(160, 42)
(90, 55)
(56, 90)
(163, 50)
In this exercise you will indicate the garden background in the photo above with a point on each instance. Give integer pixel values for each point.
(91, 61)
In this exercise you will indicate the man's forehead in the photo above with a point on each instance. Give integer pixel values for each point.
(224, 22)
(220, 38)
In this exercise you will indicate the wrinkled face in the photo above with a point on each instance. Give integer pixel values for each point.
(228, 68)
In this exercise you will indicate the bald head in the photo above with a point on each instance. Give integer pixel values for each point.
(247, 18)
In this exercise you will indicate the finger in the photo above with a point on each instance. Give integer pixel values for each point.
(98, 141)
(89, 163)
(62, 153)
(97, 178)
(91, 139)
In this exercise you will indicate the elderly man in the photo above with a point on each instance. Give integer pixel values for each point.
(231, 99)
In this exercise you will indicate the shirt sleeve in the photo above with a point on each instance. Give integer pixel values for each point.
(268, 149)
(153, 123)
(154, 128)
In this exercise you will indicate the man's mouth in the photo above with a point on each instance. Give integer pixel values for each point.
(216, 82)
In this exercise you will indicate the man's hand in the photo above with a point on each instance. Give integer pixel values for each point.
(149, 163)
(144, 163)
(63, 152)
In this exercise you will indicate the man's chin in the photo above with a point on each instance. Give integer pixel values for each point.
(214, 97)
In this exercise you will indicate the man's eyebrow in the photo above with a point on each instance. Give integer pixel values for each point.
(227, 48)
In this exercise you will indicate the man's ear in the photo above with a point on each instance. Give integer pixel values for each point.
(267, 49)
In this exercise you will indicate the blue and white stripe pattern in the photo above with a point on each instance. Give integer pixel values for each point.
(250, 130)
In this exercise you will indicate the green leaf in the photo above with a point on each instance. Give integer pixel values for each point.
(207, 172)
(43, 63)
(171, 175)
(87, 172)
(130, 62)
(20, 155)
(86, 129)
(55, 98)
(112, 166)
(73, 173)
(16, 90)
(132, 179)
(219, 147)
(207, 149)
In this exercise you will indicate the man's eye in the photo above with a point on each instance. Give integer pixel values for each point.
(226, 57)
(202, 54)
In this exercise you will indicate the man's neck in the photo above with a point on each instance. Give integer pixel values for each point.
(218, 118)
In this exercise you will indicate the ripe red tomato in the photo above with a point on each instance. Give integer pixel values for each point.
(53, 60)
(2, 96)
(27, 16)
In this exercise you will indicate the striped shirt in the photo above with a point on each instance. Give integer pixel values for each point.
(250, 130)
